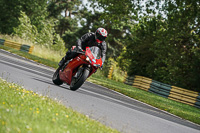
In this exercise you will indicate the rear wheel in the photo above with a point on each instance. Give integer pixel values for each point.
(56, 80)
(79, 79)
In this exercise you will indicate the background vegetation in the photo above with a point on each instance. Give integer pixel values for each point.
(153, 38)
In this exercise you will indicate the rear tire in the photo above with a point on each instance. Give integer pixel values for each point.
(77, 82)
(56, 80)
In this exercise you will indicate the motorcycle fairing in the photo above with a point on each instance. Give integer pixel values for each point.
(68, 71)
(93, 58)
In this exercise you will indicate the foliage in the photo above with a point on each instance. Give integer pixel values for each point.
(26, 30)
(58, 43)
(65, 12)
(117, 74)
(10, 12)
(47, 37)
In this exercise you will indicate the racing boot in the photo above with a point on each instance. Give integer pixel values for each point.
(65, 60)
(62, 62)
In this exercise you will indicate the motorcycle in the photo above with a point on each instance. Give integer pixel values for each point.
(77, 70)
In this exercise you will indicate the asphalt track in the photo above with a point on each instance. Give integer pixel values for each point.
(106, 106)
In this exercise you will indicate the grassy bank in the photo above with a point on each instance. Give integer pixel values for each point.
(35, 58)
(179, 109)
(25, 111)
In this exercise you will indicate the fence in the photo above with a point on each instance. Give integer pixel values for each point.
(171, 92)
(18, 46)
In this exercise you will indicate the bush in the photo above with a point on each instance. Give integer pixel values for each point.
(45, 36)
(117, 74)
(26, 30)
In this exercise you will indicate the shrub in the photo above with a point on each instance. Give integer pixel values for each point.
(45, 36)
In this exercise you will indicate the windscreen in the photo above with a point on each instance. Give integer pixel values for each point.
(96, 52)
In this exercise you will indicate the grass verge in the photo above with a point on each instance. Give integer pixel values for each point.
(182, 110)
(31, 57)
(25, 111)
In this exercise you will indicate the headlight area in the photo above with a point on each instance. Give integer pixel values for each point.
(88, 59)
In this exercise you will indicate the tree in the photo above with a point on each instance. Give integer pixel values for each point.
(10, 12)
(25, 29)
(65, 12)
(173, 40)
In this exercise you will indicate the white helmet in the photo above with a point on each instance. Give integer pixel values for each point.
(100, 35)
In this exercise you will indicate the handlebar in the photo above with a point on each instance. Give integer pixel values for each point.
(80, 52)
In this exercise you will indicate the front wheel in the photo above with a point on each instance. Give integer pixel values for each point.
(56, 80)
(79, 80)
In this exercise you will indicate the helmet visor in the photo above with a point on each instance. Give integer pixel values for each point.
(100, 37)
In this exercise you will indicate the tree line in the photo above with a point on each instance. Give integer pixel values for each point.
(153, 38)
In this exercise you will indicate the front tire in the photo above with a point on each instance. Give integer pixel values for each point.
(56, 80)
(77, 82)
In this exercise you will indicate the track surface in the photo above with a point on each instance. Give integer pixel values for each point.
(110, 108)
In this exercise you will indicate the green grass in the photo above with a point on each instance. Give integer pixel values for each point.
(47, 53)
(15, 39)
(182, 110)
(32, 57)
(25, 111)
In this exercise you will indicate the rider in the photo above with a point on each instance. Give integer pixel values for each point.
(88, 40)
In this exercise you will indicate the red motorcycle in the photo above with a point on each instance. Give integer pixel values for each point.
(77, 70)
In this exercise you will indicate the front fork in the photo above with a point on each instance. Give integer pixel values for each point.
(79, 72)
